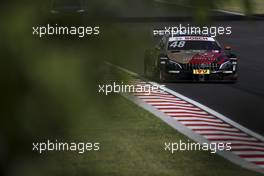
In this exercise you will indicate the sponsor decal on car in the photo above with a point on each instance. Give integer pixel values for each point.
(201, 71)
(193, 38)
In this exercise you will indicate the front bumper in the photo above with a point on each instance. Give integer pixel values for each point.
(176, 71)
(178, 75)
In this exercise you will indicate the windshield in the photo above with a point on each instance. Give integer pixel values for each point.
(193, 45)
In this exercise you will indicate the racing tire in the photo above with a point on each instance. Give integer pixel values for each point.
(232, 78)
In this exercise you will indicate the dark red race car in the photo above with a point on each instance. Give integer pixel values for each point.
(187, 57)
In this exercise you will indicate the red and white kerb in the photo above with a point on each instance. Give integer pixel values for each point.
(205, 124)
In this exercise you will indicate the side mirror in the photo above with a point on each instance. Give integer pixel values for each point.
(228, 48)
(231, 55)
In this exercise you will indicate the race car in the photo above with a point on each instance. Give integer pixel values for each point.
(191, 58)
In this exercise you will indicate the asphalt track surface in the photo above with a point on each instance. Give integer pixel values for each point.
(243, 101)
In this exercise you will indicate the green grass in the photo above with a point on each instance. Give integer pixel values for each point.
(132, 144)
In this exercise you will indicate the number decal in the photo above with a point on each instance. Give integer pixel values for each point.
(174, 44)
(178, 44)
(181, 44)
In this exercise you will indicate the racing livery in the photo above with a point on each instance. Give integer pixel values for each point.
(187, 57)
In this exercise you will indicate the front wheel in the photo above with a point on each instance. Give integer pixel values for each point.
(230, 78)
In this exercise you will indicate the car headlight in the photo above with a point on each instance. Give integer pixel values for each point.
(226, 66)
(163, 60)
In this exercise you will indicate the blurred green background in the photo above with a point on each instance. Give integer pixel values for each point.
(49, 90)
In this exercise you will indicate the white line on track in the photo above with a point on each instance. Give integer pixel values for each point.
(248, 153)
(164, 100)
(181, 110)
(168, 104)
(177, 106)
(192, 119)
(229, 137)
(204, 123)
(255, 159)
(157, 97)
(220, 133)
(242, 142)
(176, 115)
(216, 128)
(240, 147)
